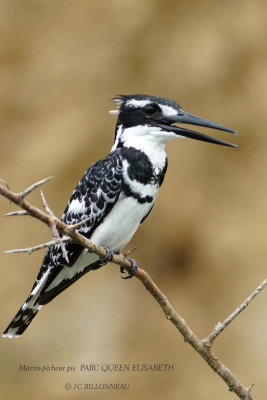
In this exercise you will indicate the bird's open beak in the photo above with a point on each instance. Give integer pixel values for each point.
(185, 118)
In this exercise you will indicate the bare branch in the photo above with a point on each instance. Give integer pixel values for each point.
(222, 325)
(17, 213)
(34, 186)
(46, 206)
(61, 226)
(203, 347)
(205, 351)
(30, 250)
(79, 224)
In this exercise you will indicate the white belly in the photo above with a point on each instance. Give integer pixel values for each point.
(121, 223)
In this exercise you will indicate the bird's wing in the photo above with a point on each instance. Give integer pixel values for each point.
(95, 194)
(94, 197)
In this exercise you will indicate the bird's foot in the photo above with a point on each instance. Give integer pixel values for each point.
(133, 269)
(104, 260)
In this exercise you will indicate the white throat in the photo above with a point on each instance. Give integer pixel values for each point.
(150, 140)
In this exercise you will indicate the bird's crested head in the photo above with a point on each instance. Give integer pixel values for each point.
(146, 119)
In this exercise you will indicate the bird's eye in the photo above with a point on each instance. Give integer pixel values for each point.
(151, 109)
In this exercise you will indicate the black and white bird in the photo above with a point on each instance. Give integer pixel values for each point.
(117, 193)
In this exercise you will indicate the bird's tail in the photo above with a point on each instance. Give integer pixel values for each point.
(22, 320)
(27, 312)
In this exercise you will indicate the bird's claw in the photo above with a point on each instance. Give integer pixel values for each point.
(104, 260)
(132, 271)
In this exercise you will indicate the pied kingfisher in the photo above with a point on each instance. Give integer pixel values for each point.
(117, 193)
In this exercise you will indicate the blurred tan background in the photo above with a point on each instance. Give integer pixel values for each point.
(205, 241)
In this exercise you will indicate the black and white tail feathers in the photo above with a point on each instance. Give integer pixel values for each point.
(26, 313)
(37, 299)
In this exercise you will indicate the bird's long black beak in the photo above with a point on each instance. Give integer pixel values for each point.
(185, 118)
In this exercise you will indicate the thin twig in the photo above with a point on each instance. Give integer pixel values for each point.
(130, 251)
(53, 227)
(17, 213)
(34, 186)
(30, 250)
(222, 325)
(46, 206)
(73, 227)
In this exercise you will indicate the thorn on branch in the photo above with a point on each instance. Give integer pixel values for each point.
(250, 387)
(4, 183)
(130, 251)
(30, 250)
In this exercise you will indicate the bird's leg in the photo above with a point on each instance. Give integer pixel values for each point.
(104, 260)
(133, 269)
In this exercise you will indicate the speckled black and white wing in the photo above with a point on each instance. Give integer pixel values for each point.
(94, 197)
(95, 194)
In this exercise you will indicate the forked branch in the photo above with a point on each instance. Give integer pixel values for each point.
(63, 233)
